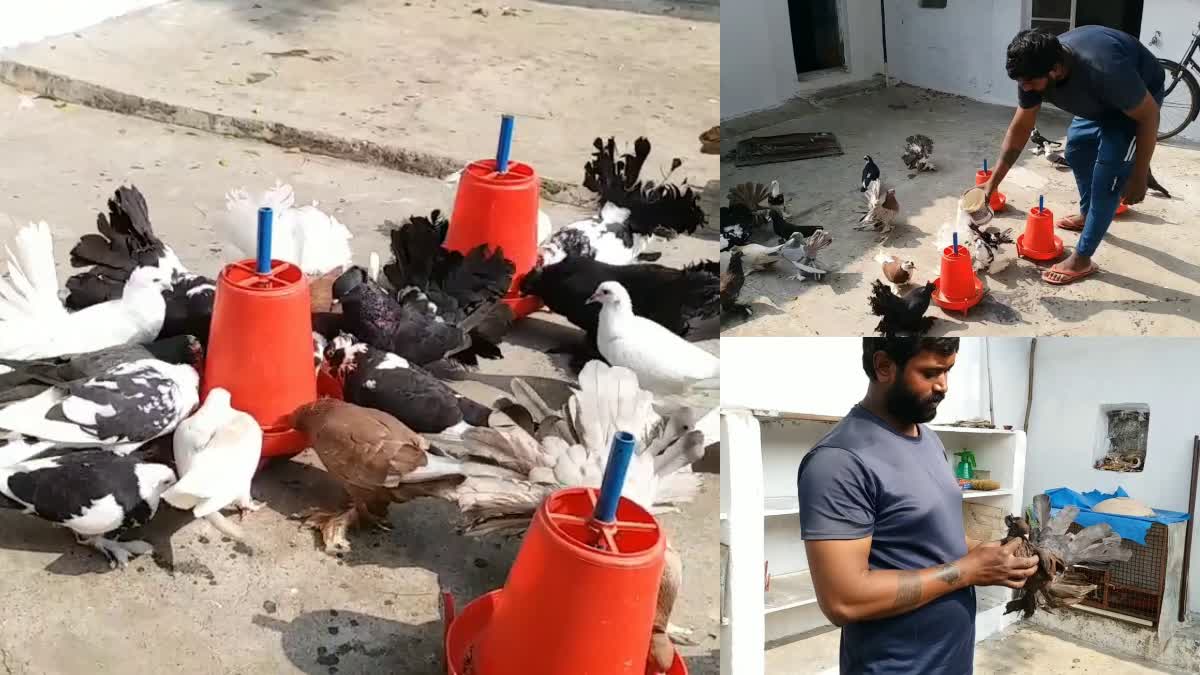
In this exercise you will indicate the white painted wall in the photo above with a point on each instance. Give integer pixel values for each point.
(1175, 20)
(28, 21)
(824, 376)
(1073, 377)
(959, 49)
(758, 69)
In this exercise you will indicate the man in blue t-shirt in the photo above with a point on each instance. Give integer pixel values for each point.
(881, 519)
(1113, 86)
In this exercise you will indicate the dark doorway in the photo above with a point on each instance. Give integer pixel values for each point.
(1124, 15)
(816, 35)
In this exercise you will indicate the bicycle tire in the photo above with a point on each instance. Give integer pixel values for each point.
(1186, 78)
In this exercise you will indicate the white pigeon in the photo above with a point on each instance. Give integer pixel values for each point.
(126, 406)
(217, 451)
(304, 236)
(35, 325)
(757, 257)
(663, 361)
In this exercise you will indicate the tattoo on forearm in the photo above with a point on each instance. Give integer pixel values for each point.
(908, 592)
(948, 573)
(1010, 156)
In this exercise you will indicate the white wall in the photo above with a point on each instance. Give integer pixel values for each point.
(959, 49)
(1175, 20)
(31, 20)
(824, 376)
(1073, 377)
(758, 69)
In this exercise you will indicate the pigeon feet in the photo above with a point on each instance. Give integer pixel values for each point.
(378, 521)
(333, 527)
(118, 553)
(247, 503)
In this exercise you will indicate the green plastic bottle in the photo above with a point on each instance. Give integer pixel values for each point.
(966, 465)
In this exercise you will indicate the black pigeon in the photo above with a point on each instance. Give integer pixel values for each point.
(870, 173)
(731, 288)
(784, 230)
(685, 301)
(94, 493)
(901, 316)
(406, 329)
(661, 208)
(382, 380)
(30, 378)
(1156, 186)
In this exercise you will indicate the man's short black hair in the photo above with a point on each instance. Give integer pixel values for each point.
(1033, 53)
(901, 349)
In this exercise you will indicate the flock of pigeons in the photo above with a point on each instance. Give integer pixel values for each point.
(899, 303)
(101, 417)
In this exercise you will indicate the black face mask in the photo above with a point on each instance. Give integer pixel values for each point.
(905, 405)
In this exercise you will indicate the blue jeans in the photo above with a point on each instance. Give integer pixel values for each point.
(1101, 157)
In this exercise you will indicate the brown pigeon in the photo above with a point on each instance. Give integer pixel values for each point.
(1055, 584)
(377, 460)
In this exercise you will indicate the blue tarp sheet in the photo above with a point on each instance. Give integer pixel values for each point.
(1129, 527)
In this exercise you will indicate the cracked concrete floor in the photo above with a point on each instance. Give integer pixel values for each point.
(1149, 282)
(205, 605)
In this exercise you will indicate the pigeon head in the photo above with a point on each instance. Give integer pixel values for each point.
(319, 345)
(307, 418)
(350, 280)
(195, 353)
(343, 354)
(152, 481)
(149, 277)
(610, 293)
(218, 397)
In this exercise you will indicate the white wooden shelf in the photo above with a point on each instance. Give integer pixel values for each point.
(984, 494)
(788, 591)
(781, 506)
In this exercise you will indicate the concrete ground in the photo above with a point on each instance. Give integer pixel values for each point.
(208, 606)
(417, 85)
(1149, 282)
(1020, 650)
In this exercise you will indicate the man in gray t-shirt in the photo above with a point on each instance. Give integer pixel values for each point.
(1114, 87)
(881, 519)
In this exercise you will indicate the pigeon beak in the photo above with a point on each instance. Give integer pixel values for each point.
(594, 299)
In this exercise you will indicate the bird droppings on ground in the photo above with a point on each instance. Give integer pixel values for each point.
(1149, 281)
(269, 606)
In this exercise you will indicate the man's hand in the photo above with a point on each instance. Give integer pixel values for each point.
(993, 564)
(1135, 188)
(989, 186)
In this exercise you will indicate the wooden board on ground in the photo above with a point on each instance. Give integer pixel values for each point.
(786, 148)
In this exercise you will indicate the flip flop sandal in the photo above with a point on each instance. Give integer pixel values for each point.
(1065, 278)
(1065, 224)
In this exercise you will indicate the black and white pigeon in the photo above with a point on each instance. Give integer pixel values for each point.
(685, 301)
(119, 409)
(631, 210)
(1041, 142)
(870, 173)
(374, 378)
(126, 242)
(94, 493)
(775, 198)
(409, 330)
(918, 149)
(784, 229)
(737, 225)
(20, 380)
(451, 286)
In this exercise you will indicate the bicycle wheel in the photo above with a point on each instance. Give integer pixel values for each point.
(1181, 103)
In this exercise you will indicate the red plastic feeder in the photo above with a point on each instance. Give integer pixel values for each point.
(958, 288)
(1122, 207)
(497, 204)
(1039, 242)
(260, 348)
(998, 199)
(580, 597)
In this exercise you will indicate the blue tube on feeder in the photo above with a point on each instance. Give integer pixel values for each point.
(505, 147)
(619, 456)
(985, 166)
(956, 243)
(265, 217)
(1041, 205)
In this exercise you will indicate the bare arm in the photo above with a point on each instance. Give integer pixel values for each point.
(1019, 130)
(1146, 116)
(848, 591)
